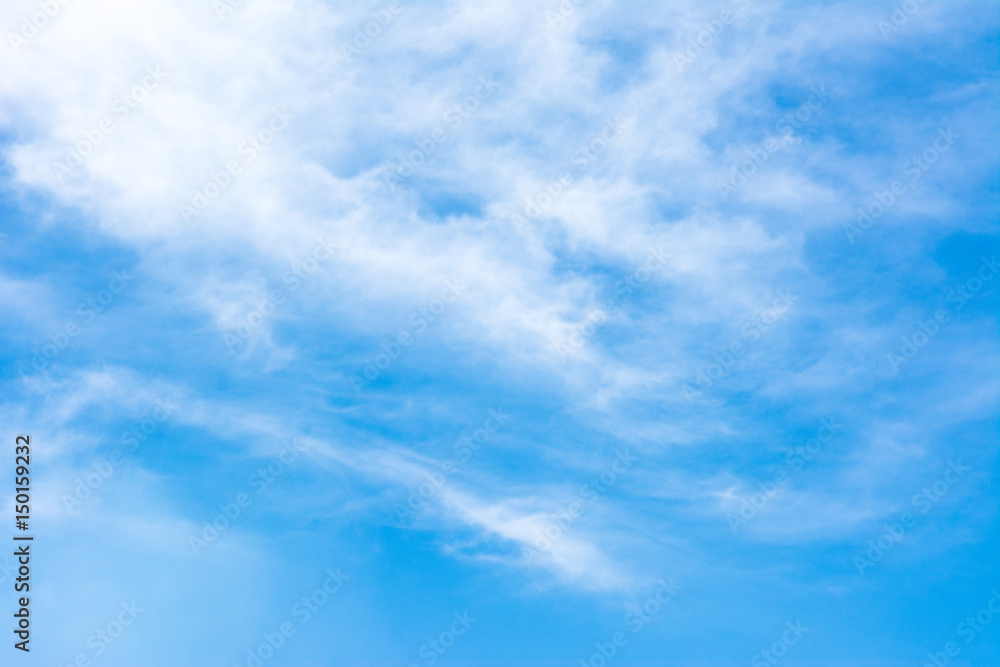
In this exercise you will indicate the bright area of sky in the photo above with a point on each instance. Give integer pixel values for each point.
(502, 333)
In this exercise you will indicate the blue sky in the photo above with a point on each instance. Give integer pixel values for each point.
(506, 333)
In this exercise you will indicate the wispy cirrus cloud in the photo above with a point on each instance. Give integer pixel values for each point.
(293, 186)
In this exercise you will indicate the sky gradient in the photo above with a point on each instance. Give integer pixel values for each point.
(503, 333)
